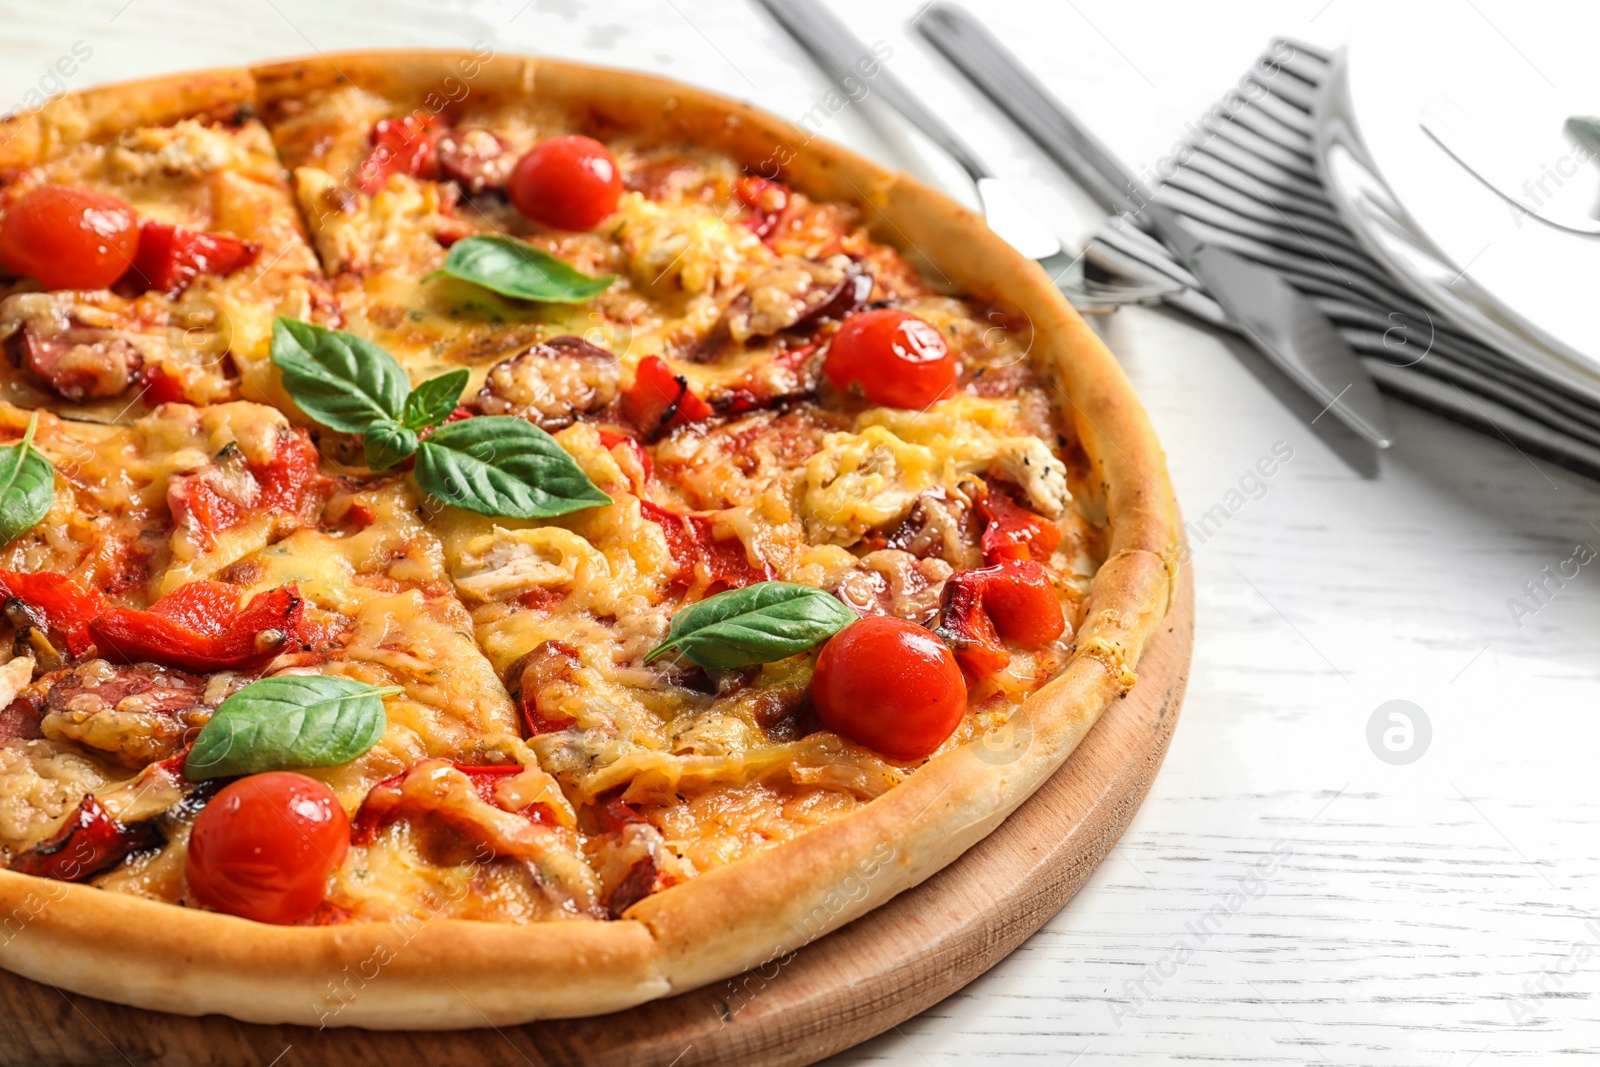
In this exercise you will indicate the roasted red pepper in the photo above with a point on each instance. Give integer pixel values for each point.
(766, 201)
(66, 606)
(692, 541)
(658, 400)
(89, 842)
(1011, 530)
(195, 502)
(170, 257)
(399, 146)
(1013, 600)
(200, 627)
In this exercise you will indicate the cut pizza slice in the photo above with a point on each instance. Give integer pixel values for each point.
(652, 284)
(144, 255)
(131, 631)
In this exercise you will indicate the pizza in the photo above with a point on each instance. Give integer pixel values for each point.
(489, 539)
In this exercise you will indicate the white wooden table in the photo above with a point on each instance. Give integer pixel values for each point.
(1284, 896)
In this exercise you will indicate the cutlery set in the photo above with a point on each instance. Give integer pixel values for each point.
(1288, 329)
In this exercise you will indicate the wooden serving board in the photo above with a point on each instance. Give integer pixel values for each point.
(851, 985)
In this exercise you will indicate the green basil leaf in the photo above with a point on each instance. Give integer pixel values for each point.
(27, 486)
(387, 443)
(757, 624)
(430, 403)
(517, 269)
(289, 722)
(503, 466)
(343, 381)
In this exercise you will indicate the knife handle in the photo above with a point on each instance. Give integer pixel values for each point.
(840, 52)
(974, 51)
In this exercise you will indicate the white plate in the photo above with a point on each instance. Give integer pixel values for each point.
(1502, 79)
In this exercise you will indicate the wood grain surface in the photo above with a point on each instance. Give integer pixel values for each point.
(851, 985)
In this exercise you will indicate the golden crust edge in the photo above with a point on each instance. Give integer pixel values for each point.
(387, 975)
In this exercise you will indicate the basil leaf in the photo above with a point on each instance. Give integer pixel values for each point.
(288, 722)
(27, 486)
(503, 466)
(430, 403)
(517, 269)
(387, 443)
(343, 381)
(757, 624)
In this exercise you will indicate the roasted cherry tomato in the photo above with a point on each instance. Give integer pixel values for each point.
(265, 845)
(571, 183)
(68, 238)
(892, 358)
(890, 685)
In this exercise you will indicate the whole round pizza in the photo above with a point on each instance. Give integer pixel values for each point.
(489, 539)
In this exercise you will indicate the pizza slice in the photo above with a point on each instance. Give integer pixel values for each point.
(146, 250)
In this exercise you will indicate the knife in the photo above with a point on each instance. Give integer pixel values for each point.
(1289, 329)
(839, 53)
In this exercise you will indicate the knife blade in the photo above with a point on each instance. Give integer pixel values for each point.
(840, 53)
(1290, 330)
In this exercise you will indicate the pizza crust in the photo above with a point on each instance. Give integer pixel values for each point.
(446, 974)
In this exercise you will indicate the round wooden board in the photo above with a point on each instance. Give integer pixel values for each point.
(851, 985)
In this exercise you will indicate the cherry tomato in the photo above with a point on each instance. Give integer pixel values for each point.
(892, 357)
(571, 183)
(265, 845)
(890, 685)
(68, 238)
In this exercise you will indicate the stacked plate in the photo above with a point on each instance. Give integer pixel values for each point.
(1424, 189)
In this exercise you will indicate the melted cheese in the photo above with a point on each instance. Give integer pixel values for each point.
(869, 478)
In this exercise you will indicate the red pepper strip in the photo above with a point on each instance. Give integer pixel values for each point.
(200, 627)
(1013, 532)
(195, 502)
(64, 603)
(692, 541)
(658, 400)
(1013, 600)
(399, 146)
(170, 257)
(91, 841)
(284, 477)
(766, 201)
